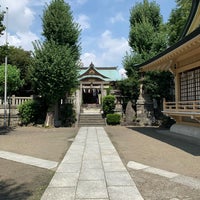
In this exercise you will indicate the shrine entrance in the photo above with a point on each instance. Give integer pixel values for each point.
(91, 96)
(94, 84)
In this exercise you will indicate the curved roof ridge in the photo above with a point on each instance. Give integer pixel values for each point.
(193, 10)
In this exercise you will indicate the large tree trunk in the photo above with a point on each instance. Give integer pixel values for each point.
(52, 117)
(49, 121)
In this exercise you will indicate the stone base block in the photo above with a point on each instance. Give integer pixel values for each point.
(186, 130)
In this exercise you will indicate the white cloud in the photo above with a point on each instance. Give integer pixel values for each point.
(110, 51)
(87, 58)
(83, 20)
(117, 18)
(20, 19)
(20, 16)
(82, 1)
(40, 2)
(122, 72)
(20, 39)
(77, 2)
(114, 48)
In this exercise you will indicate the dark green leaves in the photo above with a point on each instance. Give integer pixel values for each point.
(13, 79)
(54, 70)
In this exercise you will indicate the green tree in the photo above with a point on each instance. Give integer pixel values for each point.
(2, 27)
(14, 81)
(147, 34)
(55, 62)
(54, 72)
(58, 25)
(17, 57)
(22, 60)
(177, 20)
(147, 37)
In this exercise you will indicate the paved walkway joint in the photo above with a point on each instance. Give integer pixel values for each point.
(184, 180)
(29, 160)
(92, 169)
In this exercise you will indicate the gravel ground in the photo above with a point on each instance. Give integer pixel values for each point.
(144, 145)
(19, 181)
(149, 147)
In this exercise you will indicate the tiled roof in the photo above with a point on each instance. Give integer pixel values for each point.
(106, 73)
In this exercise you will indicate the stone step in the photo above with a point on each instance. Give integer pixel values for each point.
(91, 120)
(90, 117)
(91, 111)
(91, 124)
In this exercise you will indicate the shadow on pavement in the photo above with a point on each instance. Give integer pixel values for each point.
(180, 142)
(5, 130)
(9, 190)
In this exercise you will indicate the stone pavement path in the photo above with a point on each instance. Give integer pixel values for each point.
(37, 162)
(91, 169)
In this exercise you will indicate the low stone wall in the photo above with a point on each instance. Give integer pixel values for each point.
(11, 119)
(186, 130)
(12, 116)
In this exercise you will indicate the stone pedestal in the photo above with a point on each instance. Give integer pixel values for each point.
(144, 107)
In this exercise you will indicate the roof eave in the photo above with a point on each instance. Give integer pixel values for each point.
(163, 60)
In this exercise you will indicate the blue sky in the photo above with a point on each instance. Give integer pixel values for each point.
(104, 23)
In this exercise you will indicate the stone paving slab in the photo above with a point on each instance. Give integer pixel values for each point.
(188, 181)
(92, 189)
(161, 172)
(37, 162)
(56, 193)
(124, 193)
(184, 180)
(92, 169)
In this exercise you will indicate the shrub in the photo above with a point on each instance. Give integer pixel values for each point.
(68, 115)
(167, 122)
(29, 111)
(113, 119)
(108, 104)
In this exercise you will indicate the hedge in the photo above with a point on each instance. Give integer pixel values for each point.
(113, 119)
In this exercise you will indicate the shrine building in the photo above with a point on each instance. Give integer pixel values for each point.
(95, 82)
(183, 61)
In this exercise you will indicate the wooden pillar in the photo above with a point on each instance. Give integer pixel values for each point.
(81, 94)
(177, 87)
(102, 93)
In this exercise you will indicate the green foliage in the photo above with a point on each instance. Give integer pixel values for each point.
(113, 119)
(129, 88)
(146, 30)
(17, 57)
(54, 71)
(108, 104)
(2, 27)
(54, 68)
(28, 112)
(156, 87)
(147, 38)
(130, 62)
(167, 122)
(68, 115)
(146, 11)
(178, 19)
(32, 111)
(59, 26)
(13, 79)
